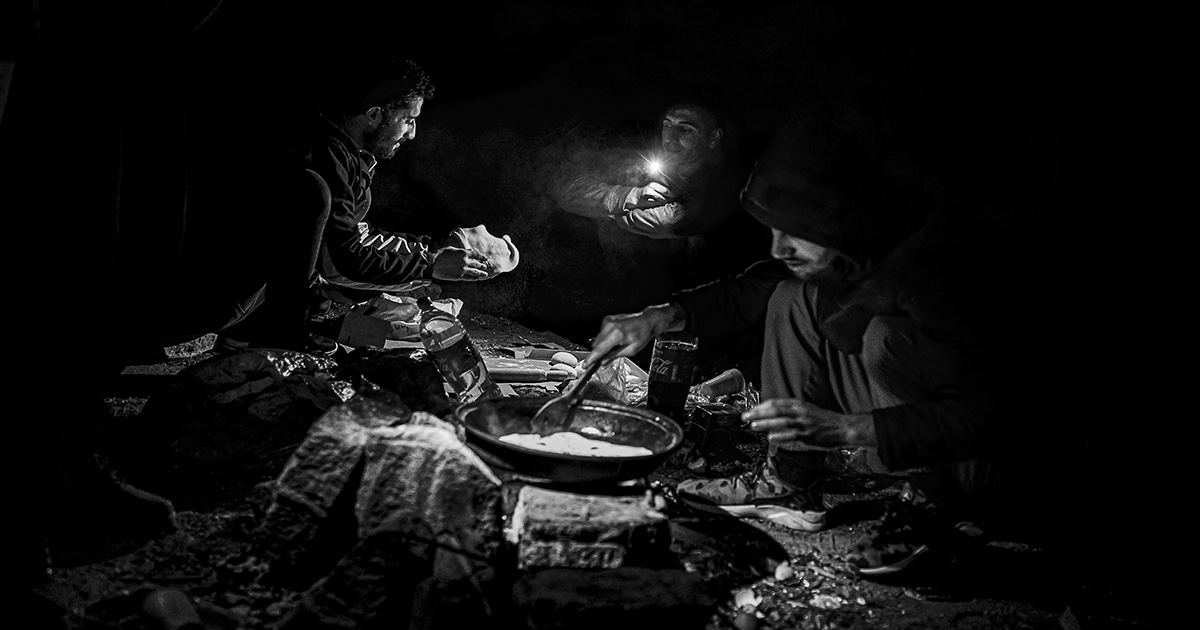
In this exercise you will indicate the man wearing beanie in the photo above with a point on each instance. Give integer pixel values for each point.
(876, 339)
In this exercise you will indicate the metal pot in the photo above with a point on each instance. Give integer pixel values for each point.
(485, 421)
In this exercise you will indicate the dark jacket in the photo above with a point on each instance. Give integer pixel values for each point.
(937, 285)
(709, 234)
(352, 251)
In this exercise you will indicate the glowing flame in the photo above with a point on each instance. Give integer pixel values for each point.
(654, 166)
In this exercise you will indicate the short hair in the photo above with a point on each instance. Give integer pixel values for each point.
(388, 84)
(407, 82)
(710, 96)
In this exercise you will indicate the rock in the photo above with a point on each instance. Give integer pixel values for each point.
(424, 472)
(364, 464)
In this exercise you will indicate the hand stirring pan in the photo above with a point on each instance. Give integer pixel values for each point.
(557, 413)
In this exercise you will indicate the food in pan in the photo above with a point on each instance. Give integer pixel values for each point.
(571, 443)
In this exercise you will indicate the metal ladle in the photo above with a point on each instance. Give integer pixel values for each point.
(557, 413)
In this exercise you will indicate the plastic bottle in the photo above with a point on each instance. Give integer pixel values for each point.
(455, 355)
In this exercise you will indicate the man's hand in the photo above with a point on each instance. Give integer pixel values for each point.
(459, 264)
(648, 196)
(632, 331)
(791, 420)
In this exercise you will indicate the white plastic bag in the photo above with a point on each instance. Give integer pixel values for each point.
(402, 314)
(620, 381)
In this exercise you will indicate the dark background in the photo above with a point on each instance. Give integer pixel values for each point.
(109, 100)
(982, 93)
(976, 93)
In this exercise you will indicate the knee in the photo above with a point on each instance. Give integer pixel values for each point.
(888, 340)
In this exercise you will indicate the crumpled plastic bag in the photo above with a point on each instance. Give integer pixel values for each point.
(743, 399)
(402, 314)
(500, 251)
(620, 381)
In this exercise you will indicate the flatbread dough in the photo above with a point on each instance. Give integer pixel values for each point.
(571, 443)
(499, 250)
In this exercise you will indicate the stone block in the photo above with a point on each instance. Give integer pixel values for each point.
(557, 528)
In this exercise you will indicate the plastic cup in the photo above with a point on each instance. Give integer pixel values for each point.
(672, 366)
(728, 382)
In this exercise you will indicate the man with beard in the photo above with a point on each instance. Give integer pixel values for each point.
(685, 190)
(877, 339)
(323, 186)
(682, 193)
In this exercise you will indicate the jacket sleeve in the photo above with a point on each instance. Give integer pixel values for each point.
(655, 222)
(357, 250)
(588, 196)
(733, 303)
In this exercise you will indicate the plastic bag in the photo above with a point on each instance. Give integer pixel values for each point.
(402, 314)
(620, 381)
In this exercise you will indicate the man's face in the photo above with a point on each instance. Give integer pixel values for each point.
(396, 127)
(806, 260)
(688, 131)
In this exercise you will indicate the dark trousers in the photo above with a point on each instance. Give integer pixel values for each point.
(895, 367)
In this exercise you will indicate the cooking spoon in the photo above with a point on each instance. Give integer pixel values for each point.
(557, 413)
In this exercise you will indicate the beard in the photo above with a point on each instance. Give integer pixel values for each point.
(835, 273)
(381, 144)
(815, 272)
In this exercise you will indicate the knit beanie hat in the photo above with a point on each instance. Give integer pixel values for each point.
(816, 182)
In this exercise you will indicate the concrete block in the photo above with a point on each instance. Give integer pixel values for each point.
(557, 528)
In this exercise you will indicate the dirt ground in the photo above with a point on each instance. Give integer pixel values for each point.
(1015, 585)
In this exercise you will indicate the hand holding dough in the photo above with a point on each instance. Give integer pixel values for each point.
(500, 251)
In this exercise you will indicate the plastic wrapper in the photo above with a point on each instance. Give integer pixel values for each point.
(402, 314)
(743, 400)
(620, 381)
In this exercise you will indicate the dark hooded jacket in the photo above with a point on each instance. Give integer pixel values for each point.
(938, 274)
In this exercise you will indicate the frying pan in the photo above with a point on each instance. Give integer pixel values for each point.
(485, 421)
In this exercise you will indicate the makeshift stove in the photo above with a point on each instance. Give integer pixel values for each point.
(586, 527)
(474, 527)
